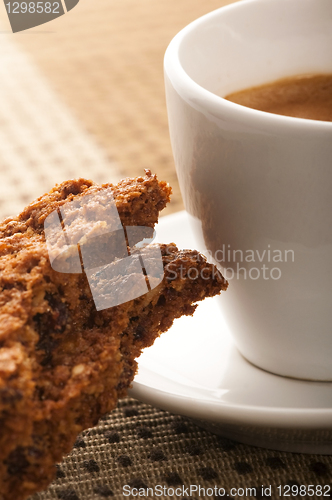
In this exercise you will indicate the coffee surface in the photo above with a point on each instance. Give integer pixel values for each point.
(308, 96)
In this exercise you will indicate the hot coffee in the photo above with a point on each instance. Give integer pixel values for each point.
(305, 96)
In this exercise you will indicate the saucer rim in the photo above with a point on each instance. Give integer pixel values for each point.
(222, 412)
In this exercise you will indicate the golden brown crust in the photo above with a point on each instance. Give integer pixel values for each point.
(138, 200)
(63, 364)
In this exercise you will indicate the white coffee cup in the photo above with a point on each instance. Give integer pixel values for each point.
(257, 185)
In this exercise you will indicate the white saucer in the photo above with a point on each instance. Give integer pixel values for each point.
(195, 370)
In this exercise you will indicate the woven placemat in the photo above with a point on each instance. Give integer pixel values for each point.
(138, 448)
(105, 59)
(41, 142)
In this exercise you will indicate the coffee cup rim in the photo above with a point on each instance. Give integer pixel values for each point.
(210, 103)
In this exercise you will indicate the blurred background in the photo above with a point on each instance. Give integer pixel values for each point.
(83, 96)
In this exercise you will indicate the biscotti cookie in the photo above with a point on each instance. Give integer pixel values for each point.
(67, 353)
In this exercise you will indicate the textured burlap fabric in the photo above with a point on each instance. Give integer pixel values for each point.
(140, 448)
(41, 141)
(105, 60)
